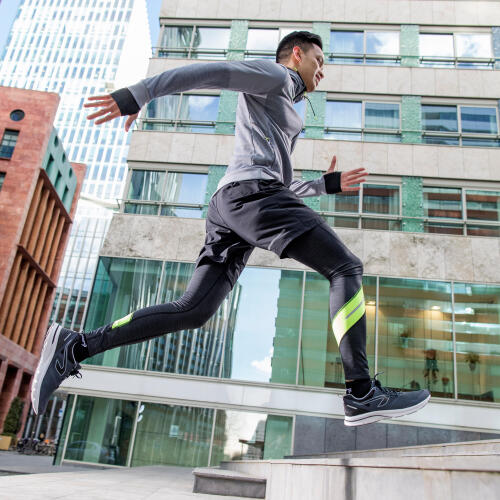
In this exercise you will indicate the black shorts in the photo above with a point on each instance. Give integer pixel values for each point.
(253, 213)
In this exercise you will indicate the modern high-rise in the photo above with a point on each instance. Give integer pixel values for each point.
(411, 92)
(79, 49)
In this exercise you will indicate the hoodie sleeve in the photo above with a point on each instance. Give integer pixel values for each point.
(326, 184)
(257, 77)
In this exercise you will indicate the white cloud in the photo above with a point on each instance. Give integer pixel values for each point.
(264, 365)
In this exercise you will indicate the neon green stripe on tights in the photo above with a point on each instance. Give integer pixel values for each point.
(122, 321)
(348, 315)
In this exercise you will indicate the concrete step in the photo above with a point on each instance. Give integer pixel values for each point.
(379, 478)
(217, 481)
(483, 447)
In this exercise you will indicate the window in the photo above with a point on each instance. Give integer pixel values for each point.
(359, 120)
(194, 42)
(262, 43)
(461, 50)
(2, 178)
(182, 112)
(375, 206)
(460, 125)
(364, 47)
(178, 194)
(461, 211)
(8, 143)
(17, 115)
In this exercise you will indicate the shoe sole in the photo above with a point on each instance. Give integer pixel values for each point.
(48, 350)
(369, 418)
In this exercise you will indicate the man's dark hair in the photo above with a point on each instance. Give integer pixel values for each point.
(302, 39)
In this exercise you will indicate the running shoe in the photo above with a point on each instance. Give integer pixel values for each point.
(57, 362)
(380, 403)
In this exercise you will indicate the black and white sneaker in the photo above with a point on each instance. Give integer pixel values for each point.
(380, 403)
(57, 362)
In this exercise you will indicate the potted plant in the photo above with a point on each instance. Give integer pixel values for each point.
(472, 358)
(12, 423)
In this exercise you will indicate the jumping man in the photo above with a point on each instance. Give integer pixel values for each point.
(257, 204)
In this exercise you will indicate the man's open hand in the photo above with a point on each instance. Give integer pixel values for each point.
(108, 110)
(349, 180)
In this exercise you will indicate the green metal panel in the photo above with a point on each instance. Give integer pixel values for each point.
(408, 43)
(238, 40)
(59, 170)
(226, 117)
(323, 30)
(315, 120)
(411, 119)
(495, 33)
(215, 174)
(413, 204)
(311, 201)
(278, 437)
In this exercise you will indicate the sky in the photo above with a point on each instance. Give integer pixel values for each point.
(8, 9)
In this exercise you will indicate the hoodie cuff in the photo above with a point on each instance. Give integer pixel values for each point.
(125, 101)
(332, 182)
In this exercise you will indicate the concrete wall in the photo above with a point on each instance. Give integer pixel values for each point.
(386, 80)
(480, 13)
(324, 435)
(446, 162)
(388, 253)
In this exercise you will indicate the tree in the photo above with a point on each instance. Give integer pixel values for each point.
(13, 420)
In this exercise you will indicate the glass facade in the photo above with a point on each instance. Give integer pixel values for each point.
(182, 113)
(358, 120)
(136, 433)
(461, 211)
(375, 206)
(460, 125)
(461, 50)
(178, 194)
(364, 47)
(193, 42)
(290, 340)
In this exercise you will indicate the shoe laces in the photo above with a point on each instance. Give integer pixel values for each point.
(76, 372)
(385, 390)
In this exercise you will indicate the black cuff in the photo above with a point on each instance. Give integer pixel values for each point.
(332, 182)
(126, 102)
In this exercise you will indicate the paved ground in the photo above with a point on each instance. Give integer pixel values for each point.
(33, 477)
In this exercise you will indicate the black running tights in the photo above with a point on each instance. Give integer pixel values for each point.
(319, 248)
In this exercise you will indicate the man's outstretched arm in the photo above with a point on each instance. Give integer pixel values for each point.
(331, 182)
(258, 77)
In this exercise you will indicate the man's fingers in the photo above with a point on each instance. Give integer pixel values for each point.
(99, 113)
(100, 98)
(348, 188)
(108, 117)
(96, 104)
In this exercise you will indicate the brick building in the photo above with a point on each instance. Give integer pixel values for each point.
(39, 190)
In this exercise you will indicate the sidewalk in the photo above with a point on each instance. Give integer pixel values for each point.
(70, 482)
(13, 462)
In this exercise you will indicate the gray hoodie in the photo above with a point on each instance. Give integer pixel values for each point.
(267, 125)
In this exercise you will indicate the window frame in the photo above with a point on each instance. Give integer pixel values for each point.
(464, 222)
(456, 60)
(178, 123)
(360, 215)
(364, 56)
(7, 151)
(363, 130)
(459, 134)
(189, 51)
(177, 169)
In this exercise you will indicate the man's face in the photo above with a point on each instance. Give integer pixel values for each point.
(310, 67)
